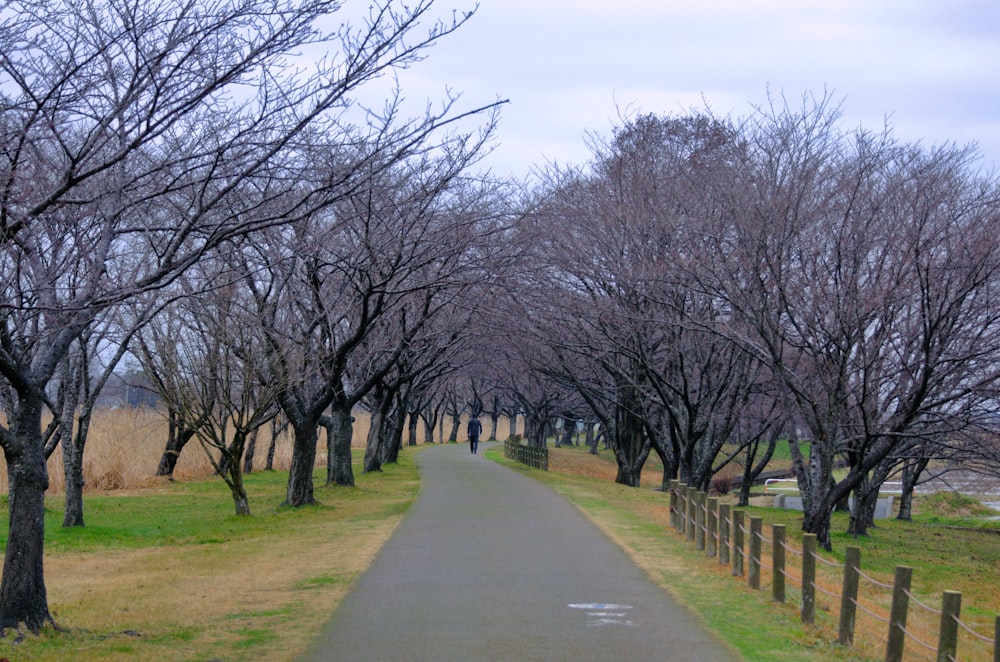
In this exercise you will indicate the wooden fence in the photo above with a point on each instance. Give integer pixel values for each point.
(533, 457)
(725, 534)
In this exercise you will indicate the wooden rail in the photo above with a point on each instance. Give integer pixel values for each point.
(701, 519)
(530, 456)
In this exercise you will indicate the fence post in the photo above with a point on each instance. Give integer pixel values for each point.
(778, 562)
(753, 569)
(849, 595)
(951, 606)
(897, 615)
(723, 534)
(692, 511)
(753, 552)
(737, 543)
(681, 507)
(996, 640)
(673, 503)
(699, 522)
(809, 578)
(712, 526)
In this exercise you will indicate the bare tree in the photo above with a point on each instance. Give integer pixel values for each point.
(86, 369)
(136, 137)
(633, 334)
(210, 357)
(861, 272)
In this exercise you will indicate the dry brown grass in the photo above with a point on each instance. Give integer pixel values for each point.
(124, 448)
(580, 462)
(162, 592)
(260, 591)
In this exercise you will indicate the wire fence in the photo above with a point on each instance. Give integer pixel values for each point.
(893, 618)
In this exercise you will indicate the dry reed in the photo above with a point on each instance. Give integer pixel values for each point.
(125, 445)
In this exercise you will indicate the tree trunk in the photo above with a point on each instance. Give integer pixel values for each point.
(814, 477)
(411, 429)
(456, 422)
(905, 512)
(250, 452)
(72, 451)
(300, 482)
(911, 474)
(534, 430)
(339, 434)
(177, 439)
(629, 469)
(272, 446)
(239, 490)
(23, 597)
(818, 522)
(591, 438)
(73, 446)
(242, 504)
(631, 443)
(860, 520)
(373, 458)
(394, 432)
(669, 466)
(494, 424)
(430, 421)
(568, 428)
(753, 467)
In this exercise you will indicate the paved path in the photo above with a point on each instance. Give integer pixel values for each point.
(491, 565)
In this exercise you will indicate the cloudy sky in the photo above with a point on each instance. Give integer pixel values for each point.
(570, 67)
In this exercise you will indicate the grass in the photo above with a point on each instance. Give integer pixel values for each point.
(165, 571)
(169, 573)
(945, 553)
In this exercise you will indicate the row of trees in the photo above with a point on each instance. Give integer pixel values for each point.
(173, 188)
(707, 287)
(176, 178)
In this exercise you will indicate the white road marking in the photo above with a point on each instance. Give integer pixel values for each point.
(600, 614)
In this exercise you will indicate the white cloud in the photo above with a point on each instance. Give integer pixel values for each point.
(565, 64)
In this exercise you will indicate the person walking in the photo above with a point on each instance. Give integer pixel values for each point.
(475, 429)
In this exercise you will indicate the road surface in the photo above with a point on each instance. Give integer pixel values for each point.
(490, 565)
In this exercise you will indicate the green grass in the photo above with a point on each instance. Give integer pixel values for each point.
(198, 512)
(175, 567)
(312, 549)
(943, 558)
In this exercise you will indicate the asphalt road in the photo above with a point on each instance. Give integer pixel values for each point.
(491, 565)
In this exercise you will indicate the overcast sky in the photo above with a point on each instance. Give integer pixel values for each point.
(570, 67)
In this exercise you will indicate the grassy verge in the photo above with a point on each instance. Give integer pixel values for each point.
(943, 557)
(169, 573)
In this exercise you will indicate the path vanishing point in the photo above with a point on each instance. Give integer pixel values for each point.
(489, 564)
